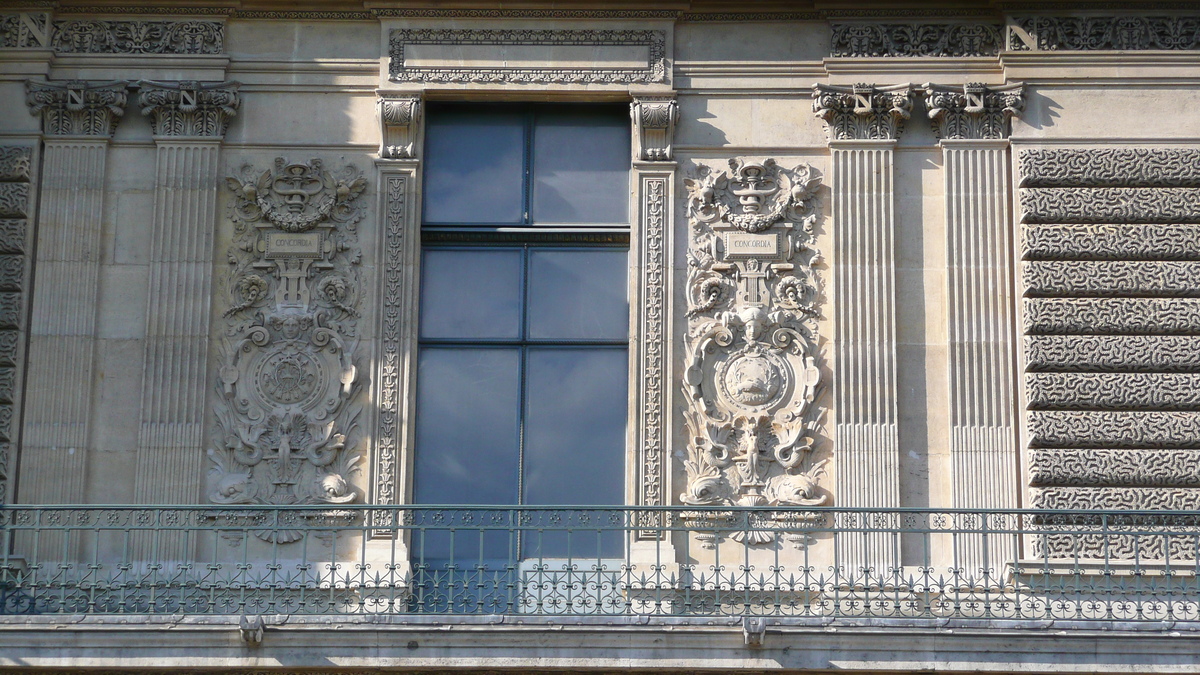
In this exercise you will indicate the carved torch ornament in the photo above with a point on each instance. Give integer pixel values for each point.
(751, 374)
(287, 386)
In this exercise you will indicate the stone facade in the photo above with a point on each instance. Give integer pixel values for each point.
(879, 260)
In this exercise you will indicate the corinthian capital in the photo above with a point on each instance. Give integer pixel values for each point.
(863, 111)
(77, 108)
(189, 108)
(973, 111)
(654, 120)
(400, 117)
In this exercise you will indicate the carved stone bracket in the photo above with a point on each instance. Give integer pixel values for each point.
(189, 108)
(287, 410)
(863, 111)
(654, 119)
(77, 108)
(973, 111)
(1093, 33)
(916, 39)
(400, 118)
(751, 378)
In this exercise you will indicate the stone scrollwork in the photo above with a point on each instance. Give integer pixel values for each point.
(751, 365)
(1091, 33)
(973, 111)
(863, 111)
(916, 39)
(77, 108)
(654, 121)
(189, 108)
(288, 381)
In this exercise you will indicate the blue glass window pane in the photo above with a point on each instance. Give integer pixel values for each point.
(470, 293)
(578, 294)
(467, 426)
(581, 168)
(474, 167)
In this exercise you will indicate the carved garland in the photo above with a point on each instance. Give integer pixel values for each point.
(286, 411)
(751, 357)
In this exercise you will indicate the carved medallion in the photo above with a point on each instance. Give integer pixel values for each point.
(751, 375)
(288, 382)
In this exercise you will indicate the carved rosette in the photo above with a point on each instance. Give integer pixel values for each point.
(288, 381)
(751, 377)
(863, 111)
(973, 111)
(189, 108)
(77, 108)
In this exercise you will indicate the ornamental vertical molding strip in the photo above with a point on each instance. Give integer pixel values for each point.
(398, 274)
(78, 120)
(189, 120)
(650, 240)
(973, 122)
(863, 123)
(16, 164)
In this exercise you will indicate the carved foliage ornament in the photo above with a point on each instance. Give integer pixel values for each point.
(138, 37)
(287, 412)
(917, 39)
(973, 111)
(189, 108)
(1131, 32)
(751, 374)
(863, 111)
(24, 30)
(77, 108)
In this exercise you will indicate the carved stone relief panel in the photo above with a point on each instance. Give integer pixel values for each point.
(77, 108)
(25, 30)
(1112, 324)
(863, 111)
(287, 411)
(15, 174)
(973, 111)
(751, 374)
(91, 36)
(1092, 33)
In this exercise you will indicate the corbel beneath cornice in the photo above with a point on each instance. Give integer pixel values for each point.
(654, 119)
(76, 107)
(973, 111)
(863, 111)
(399, 118)
(189, 108)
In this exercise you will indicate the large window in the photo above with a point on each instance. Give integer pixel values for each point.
(522, 374)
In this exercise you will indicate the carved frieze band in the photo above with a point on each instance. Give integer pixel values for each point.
(1094, 33)
(1116, 241)
(93, 36)
(863, 111)
(1111, 205)
(1110, 167)
(1112, 353)
(654, 119)
(77, 108)
(1109, 467)
(201, 109)
(15, 165)
(651, 44)
(25, 30)
(863, 39)
(973, 111)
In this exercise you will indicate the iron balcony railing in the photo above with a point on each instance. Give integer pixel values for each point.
(821, 563)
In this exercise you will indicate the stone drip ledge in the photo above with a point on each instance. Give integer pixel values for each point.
(215, 644)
